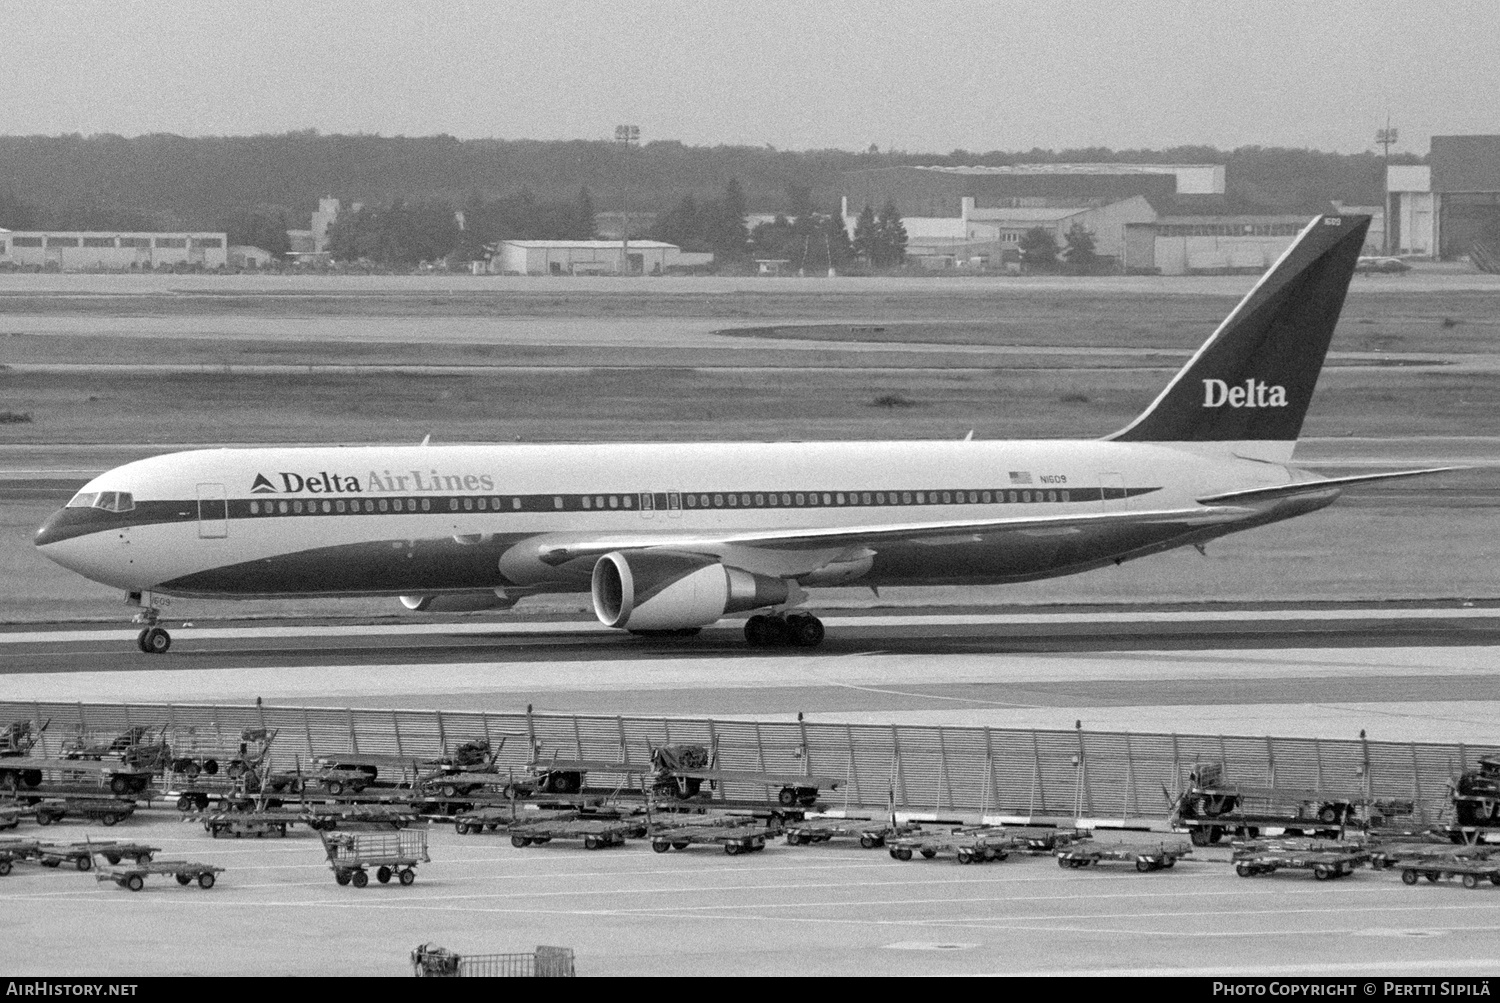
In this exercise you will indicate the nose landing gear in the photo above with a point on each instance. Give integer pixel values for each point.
(773, 630)
(153, 640)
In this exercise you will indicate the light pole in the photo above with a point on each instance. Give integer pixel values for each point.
(626, 136)
(1386, 138)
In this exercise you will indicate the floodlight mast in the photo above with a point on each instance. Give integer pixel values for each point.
(626, 136)
(1386, 138)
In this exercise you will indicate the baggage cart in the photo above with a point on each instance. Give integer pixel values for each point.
(19, 773)
(595, 833)
(134, 876)
(433, 962)
(1471, 871)
(1145, 856)
(395, 854)
(736, 834)
(250, 823)
(1413, 853)
(1042, 840)
(8, 859)
(482, 820)
(870, 832)
(971, 845)
(1325, 860)
(10, 816)
(104, 811)
(1214, 807)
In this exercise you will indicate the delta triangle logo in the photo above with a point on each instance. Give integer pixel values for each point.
(262, 486)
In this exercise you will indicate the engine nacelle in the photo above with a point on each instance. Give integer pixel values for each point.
(667, 590)
(459, 602)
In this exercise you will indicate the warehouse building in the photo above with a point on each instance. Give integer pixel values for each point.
(1171, 219)
(1443, 208)
(590, 257)
(99, 250)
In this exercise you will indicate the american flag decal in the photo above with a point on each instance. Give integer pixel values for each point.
(1020, 477)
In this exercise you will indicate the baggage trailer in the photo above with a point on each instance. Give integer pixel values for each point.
(430, 961)
(1042, 840)
(1326, 862)
(871, 832)
(103, 810)
(736, 834)
(971, 845)
(596, 833)
(19, 773)
(186, 872)
(1145, 856)
(251, 823)
(1472, 871)
(10, 816)
(396, 854)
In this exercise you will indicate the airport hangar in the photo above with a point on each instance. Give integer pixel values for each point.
(110, 250)
(1443, 208)
(1168, 219)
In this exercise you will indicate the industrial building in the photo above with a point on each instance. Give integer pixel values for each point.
(1171, 219)
(101, 250)
(1443, 208)
(590, 257)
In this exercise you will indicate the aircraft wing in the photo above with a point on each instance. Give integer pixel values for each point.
(1309, 487)
(845, 536)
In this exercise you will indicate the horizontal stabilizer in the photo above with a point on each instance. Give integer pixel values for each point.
(1309, 487)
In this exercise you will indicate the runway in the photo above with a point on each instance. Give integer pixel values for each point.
(1411, 673)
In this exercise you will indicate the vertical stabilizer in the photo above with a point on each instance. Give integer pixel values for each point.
(1253, 379)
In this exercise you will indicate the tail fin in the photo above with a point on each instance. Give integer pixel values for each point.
(1253, 378)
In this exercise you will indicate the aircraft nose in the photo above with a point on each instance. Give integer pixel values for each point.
(66, 523)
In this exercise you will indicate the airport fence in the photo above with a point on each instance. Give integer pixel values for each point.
(923, 769)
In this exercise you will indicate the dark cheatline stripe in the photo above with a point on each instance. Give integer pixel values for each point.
(72, 522)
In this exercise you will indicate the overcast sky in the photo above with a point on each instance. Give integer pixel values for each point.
(917, 75)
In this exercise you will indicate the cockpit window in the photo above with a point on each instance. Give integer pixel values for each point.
(109, 501)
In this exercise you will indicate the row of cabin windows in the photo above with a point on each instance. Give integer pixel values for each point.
(785, 499)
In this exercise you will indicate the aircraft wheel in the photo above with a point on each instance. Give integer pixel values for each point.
(805, 629)
(154, 641)
(757, 633)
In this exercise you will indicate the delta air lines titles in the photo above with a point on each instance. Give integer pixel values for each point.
(412, 481)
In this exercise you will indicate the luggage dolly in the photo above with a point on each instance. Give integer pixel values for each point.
(734, 838)
(134, 876)
(1147, 856)
(1470, 871)
(970, 846)
(595, 833)
(871, 833)
(1325, 864)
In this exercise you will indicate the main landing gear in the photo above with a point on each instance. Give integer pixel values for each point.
(153, 640)
(775, 630)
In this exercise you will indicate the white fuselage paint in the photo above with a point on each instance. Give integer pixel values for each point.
(144, 557)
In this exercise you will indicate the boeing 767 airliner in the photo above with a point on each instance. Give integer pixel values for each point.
(669, 537)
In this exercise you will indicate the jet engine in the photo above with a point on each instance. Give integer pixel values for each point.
(668, 590)
(459, 602)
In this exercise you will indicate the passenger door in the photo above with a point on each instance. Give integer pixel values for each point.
(213, 512)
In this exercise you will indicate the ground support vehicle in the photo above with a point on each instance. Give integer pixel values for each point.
(595, 833)
(1145, 856)
(395, 854)
(433, 962)
(482, 819)
(193, 753)
(871, 832)
(8, 860)
(22, 772)
(18, 738)
(10, 816)
(81, 855)
(133, 876)
(1326, 861)
(139, 746)
(736, 834)
(107, 811)
(1472, 871)
(972, 845)
(251, 823)
(1389, 854)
